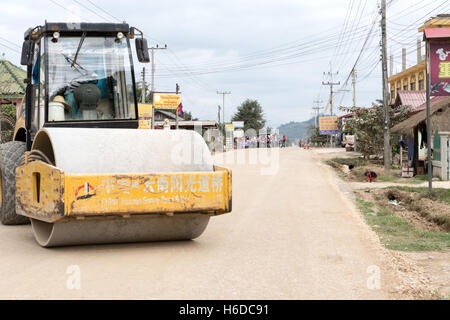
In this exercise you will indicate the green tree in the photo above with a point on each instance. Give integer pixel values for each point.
(251, 112)
(139, 93)
(314, 135)
(367, 125)
(7, 121)
(9, 110)
(188, 116)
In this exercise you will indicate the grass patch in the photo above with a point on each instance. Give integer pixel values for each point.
(361, 165)
(397, 233)
(356, 162)
(439, 194)
(387, 178)
(438, 214)
(393, 177)
(422, 177)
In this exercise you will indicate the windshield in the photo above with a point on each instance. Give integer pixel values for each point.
(95, 84)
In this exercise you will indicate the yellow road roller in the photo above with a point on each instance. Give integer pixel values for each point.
(80, 169)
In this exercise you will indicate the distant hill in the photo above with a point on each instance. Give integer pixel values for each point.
(295, 130)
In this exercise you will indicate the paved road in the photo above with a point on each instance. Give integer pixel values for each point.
(291, 235)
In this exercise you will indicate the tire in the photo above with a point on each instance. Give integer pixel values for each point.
(10, 154)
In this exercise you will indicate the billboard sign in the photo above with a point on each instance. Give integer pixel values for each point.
(229, 126)
(166, 101)
(238, 124)
(145, 115)
(440, 69)
(238, 133)
(328, 125)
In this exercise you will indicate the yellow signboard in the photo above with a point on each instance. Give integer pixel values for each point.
(166, 101)
(229, 126)
(328, 125)
(145, 110)
(145, 115)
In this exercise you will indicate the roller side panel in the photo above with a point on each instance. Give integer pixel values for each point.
(40, 191)
(45, 193)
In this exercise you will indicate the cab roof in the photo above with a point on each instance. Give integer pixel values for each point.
(79, 27)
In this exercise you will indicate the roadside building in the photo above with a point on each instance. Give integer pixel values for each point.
(161, 115)
(414, 77)
(12, 85)
(411, 79)
(412, 99)
(414, 132)
(12, 90)
(408, 88)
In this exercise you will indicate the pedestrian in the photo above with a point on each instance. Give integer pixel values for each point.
(371, 175)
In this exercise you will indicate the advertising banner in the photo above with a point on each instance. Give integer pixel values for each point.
(145, 115)
(238, 124)
(166, 101)
(229, 126)
(440, 69)
(328, 125)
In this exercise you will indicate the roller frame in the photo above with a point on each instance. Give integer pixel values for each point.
(63, 197)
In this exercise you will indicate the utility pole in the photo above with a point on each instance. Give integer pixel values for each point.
(317, 109)
(143, 86)
(354, 87)
(177, 89)
(218, 114)
(387, 136)
(153, 80)
(223, 106)
(331, 84)
(428, 88)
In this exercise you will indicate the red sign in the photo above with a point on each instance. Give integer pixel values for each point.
(440, 69)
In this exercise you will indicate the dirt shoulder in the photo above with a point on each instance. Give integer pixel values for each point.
(413, 227)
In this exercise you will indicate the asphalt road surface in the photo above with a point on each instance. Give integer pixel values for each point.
(292, 235)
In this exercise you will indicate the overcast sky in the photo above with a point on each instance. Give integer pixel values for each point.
(273, 51)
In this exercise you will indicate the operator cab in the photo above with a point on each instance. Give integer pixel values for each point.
(81, 74)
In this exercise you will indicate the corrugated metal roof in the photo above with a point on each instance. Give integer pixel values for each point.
(11, 79)
(412, 99)
(408, 124)
(433, 101)
(436, 33)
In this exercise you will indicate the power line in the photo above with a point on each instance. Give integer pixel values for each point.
(70, 11)
(90, 10)
(14, 44)
(103, 10)
(10, 48)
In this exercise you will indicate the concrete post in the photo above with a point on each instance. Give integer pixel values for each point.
(444, 155)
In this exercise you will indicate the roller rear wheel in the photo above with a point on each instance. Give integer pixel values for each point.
(10, 155)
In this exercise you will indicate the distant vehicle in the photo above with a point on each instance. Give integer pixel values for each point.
(349, 142)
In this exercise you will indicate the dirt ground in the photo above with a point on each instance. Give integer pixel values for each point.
(423, 213)
(434, 266)
(293, 234)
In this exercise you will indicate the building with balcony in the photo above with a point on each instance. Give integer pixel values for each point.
(414, 77)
